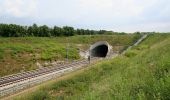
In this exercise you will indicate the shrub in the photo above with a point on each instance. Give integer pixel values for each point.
(131, 53)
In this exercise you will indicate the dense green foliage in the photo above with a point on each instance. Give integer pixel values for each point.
(144, 75)
(13, 30)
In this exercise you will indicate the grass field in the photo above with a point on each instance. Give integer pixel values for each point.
(23, 53)
(143, 73)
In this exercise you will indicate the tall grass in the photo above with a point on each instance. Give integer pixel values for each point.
(143, 76)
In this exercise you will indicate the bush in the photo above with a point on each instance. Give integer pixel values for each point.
(131, 53)
(1, 54)
(40, 95)
(142, 47)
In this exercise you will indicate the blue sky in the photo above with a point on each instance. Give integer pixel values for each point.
(116, 15)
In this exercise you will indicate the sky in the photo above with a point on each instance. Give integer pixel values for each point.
(115, 15)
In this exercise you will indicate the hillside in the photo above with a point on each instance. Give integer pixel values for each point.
(27, 53)
(141, 74)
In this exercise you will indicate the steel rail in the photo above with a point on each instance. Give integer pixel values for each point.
(36, 73)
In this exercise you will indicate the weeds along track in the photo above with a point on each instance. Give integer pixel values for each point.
(13, 83)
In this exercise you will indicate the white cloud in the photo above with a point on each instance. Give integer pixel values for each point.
(119, 15)
(18, 8)
(113, 7)
(145, 27)
(96, 3)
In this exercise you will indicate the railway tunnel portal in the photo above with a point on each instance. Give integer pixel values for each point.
(100, 49)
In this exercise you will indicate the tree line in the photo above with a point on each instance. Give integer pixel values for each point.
(13, 30)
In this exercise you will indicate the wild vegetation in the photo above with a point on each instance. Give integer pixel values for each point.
(143, 73)
(23, 53)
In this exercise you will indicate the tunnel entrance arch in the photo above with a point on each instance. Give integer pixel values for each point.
(100, 49)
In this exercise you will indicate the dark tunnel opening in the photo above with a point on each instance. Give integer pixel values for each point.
(99, 51)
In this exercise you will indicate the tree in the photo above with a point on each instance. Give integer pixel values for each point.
(44, 31)
(57, 31)
(30, 31)
(68, 31)
(101, 32)
(35, 30)
(3, 30)
(13, 30)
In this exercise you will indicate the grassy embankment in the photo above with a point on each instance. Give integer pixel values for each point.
(22, 53)
(143, 73)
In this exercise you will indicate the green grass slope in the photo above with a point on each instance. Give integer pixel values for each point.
(143, 73)
(22, 53)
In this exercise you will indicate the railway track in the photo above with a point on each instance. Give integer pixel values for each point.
(31, 74)
(13, 83)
